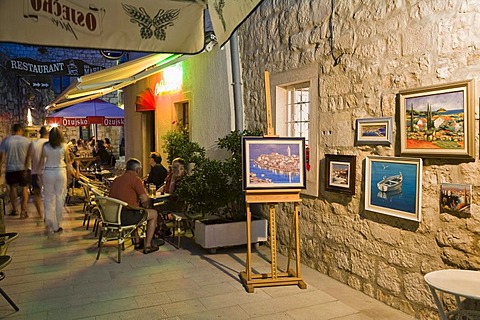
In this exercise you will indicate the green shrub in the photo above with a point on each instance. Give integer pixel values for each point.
(215, 187)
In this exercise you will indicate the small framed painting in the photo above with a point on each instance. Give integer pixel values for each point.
(273, 163)
(340, 173)
(374, 131)
(393, 186)
(455, 198)
(438, 121)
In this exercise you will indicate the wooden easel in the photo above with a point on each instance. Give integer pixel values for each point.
(272, 198)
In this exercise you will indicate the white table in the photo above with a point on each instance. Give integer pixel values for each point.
(460, 283)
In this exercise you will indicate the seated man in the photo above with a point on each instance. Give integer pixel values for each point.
(158, 172)
(129, 188)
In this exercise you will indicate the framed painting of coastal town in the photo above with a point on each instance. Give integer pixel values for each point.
(340, 173)
(438, 121)
(273, 163)
(455, 198)
(393, 186)
(374, 131)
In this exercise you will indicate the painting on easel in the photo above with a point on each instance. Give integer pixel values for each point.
(273, 163)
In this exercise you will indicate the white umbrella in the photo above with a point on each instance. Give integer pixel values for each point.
(173, 26)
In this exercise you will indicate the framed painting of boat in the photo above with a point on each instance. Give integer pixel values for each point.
(374, 131)
(340, 173)
(273, 163)
(438, 121)
(455, 198)
(393, 186)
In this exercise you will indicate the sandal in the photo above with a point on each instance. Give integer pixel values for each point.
(151, 249)
(138, 245)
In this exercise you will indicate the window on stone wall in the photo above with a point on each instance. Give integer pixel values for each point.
(295, 114)
(297, 108)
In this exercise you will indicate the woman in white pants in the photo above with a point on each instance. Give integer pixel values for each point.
(54, 160)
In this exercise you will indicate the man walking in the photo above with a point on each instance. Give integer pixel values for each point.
(13, 150)
(33, 160)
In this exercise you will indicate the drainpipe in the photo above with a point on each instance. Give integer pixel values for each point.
(237, 84)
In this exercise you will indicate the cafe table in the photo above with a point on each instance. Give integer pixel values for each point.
(461, 284)
(85, 162)
(159, 197)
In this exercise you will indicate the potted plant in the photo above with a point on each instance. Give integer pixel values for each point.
(178, 145)
(214, 196)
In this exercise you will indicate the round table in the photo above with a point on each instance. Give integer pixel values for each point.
(460, 283)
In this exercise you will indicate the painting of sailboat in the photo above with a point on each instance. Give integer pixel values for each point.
(391, 183)
(393, 186)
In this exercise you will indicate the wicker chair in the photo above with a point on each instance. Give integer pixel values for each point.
(110, 210)
(5, 260)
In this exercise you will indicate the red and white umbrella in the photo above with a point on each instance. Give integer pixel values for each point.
(96, 111)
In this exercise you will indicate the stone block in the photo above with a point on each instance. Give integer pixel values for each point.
(416, 290)
(388, 279)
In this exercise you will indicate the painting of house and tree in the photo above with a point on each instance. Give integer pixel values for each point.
(437, 121)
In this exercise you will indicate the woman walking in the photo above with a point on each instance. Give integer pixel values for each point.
(54, 159)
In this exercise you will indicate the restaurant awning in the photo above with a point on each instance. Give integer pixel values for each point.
(142, 25)
(99, 83)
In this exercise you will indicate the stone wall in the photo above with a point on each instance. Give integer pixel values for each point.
(378, 48)
(16, 96)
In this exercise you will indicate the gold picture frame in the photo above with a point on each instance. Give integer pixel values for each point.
(438, 121)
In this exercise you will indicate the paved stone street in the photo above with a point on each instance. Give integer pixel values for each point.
(58, 277)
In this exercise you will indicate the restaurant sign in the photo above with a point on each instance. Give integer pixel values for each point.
(68, 122)
(69, 67)
(113, 121)
(85, 121)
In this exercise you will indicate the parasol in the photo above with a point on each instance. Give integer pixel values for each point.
(171, 26)
(96, 111)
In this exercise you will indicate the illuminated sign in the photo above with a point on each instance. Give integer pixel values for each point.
(171, 80)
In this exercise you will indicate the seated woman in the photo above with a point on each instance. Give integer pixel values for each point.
(172, 203)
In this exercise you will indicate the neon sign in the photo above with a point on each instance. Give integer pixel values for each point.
(171, 80)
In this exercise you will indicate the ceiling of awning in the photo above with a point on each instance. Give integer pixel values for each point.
(99, 83)
(172, 26)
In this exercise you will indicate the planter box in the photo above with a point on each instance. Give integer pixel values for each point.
(217, 235)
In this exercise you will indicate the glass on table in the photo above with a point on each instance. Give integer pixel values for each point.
(152, 190)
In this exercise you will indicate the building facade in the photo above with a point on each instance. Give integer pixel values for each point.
(353, 58)
(195, 93)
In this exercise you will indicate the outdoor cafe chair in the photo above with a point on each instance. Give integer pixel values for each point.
(110, 213)
(5, 260)
(89, 204)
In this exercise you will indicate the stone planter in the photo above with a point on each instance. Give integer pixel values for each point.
(225, 234)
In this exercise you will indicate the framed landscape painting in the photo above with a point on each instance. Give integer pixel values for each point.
(393, 186)
(340, 173)
(374, 131)
(438, 121)
(273, 163)
(455, 198)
